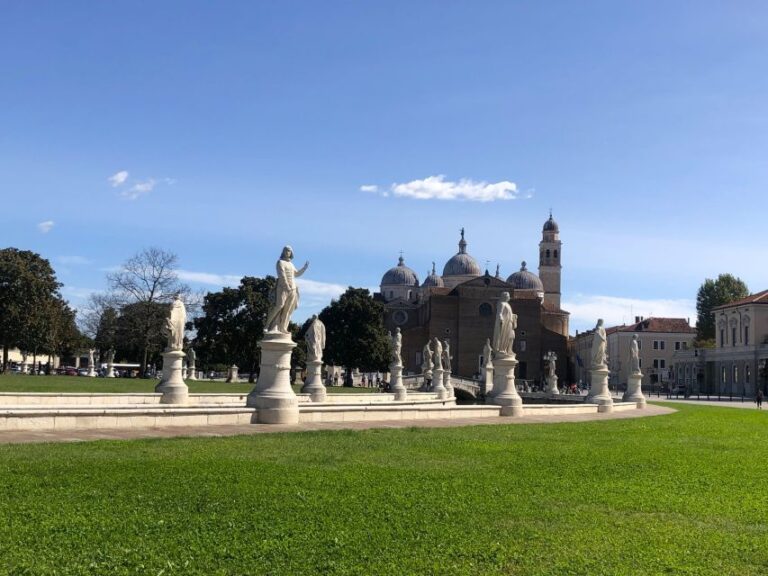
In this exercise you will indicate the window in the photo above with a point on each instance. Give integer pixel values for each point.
(722, 338)
(735, 374)
(733, 336)
(522, 345)
(547, 252)
(685, 345)
(409, 294)
(746, 335)
(724, 375)
(747, 373)
(678, 345)
(640, 363)
(655, 344)
(662, 344)
(639, 344)
(662, 363)
(391, 293)
(485, 309)
(659, 363)
(655, 362)
(555, 254)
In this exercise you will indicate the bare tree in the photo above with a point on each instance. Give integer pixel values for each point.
(144, 281)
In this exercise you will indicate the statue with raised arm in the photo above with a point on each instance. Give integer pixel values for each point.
(634, 355)
(426, 358)
(174, 325)
(438, 354)
(551, 358)
(286, 293)
(447, 356)
(397, 347)
(504, 329)
(487, 353)
(599, 346)
(315, 338)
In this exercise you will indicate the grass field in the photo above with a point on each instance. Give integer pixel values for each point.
(16, 383)
(678, 494)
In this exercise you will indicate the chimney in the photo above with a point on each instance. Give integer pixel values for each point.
(637, 319)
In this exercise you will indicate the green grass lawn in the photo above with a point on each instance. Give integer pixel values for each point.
(16, 383)
(678, 494)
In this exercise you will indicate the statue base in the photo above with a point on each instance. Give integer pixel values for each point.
(273, 397)
(313, 385)
(91, 372)
(552, 388)
(396, 382)
(598, 391)
(634, 391)
(192, 373)
(111, 371)
(504, 389)
(172, 385)
(447, 384)
(437, 384)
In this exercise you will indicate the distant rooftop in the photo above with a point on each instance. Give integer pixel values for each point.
(759, 298)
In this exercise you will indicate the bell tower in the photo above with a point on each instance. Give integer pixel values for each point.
(550, 269)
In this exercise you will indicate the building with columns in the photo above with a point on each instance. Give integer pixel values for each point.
(460, 305)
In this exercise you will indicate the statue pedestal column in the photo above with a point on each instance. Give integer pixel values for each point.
(192, 372)
(504, 389)
(486, 388)
(447, 384)
(396, 385)
(313, 385)
(91, 371)
(634, 391)
(273, 397)
(598, 391)
(111, 370)
(437, 384)
(552, 385)
(172, 385)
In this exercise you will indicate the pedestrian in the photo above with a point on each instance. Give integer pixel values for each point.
(759, 399)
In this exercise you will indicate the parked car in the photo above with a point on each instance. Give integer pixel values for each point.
(82, 372)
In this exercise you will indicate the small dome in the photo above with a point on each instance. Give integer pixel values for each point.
(400, 275)
(433, 279)
(550, 225)
(461, 264)
(525, 280)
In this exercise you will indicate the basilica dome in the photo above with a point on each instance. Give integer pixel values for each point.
(400, 275)
(433, 279)
(550, 225)
(525, 280)
(461, 264)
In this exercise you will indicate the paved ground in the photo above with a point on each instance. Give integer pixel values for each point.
(25, 436)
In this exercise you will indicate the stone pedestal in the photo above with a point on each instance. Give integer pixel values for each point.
(396, 382)
(184, 371)
(504, 389)
(91, 371)
(552, 385)
(111, 370)
(313, 385)
(486, 388)
(273, 396)
(447, 384)
(192, 372)
(234, 374)
(634, 391)
(598, 391)
(437, 384)
(172, 385)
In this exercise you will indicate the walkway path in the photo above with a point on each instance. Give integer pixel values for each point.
(725, 403)
(24, 436)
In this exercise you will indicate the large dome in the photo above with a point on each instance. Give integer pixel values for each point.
(400, 275)
(433, 279)
(461, 264)
(525, 280)
(550, 225)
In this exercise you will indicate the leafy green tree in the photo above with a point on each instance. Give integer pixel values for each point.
(712, 293)
(232, 324)
(139, 333)
(355, 334)
(27, 285)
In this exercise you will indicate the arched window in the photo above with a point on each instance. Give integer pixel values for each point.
(547, 252)
(555, 254)
(409, 294)
(485, 309)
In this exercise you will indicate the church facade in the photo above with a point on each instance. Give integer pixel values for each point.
(460, 306)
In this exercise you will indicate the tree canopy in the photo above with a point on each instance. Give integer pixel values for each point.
(712, 293)
(355, 334)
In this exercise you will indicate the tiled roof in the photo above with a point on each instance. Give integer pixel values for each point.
(759, 298)
(670, 325)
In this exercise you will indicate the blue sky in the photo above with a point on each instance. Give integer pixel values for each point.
(244, 126)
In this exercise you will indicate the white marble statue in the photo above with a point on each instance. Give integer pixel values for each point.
(447, 356)
(397, 347)
(438, 354)
(286, 293)
(551, 359)
(174, 325)
(599, 346)
(191, 356)
(315, 339)
(634, 355)
(426, 358)
(504, 329)
(487, 352)
(91, 352)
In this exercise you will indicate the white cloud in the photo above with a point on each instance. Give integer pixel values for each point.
(72, 260)
(209, 278)
(46, 226)
(118, 178)
(586, 309)
(438, 188)
(139, 189)
(313, 289)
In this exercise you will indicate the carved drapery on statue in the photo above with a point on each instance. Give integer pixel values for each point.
(438, 354)
(397, 347)
(315, 339)
(599, 346)
(487, 352)
(504, 328)
(284, 299)
(426, 358)
(447, 356)
(175, 325)
(634, 355)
